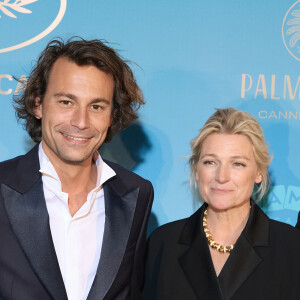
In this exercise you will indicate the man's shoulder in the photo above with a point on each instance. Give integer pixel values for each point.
(124, 173)
(10, 162)
(28, 163)
(8, 168)
(126, 180)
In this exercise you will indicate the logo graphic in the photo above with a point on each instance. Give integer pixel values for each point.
(12, 9)
(6, 7)
(291, 30)
(283, 203)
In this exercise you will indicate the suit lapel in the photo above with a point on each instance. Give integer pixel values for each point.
(244, 259)
(25, 205)
(119, 211)
(238, 267)
(196, 263)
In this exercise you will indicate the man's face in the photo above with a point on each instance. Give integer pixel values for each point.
(76, 112)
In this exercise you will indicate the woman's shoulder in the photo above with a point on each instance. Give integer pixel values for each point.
(168, 230)
(172, 232)
(165, 240)
(284, 234)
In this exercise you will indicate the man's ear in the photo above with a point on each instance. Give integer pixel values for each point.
(38, 108)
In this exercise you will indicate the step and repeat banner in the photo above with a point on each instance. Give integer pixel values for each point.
(190, 57)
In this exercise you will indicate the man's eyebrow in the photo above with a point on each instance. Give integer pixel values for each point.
(73, 97)
(67, 95)
(97, 100)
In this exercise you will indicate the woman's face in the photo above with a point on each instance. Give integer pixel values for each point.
(227, 171)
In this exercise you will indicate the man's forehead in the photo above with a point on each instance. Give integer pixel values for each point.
(64, 68)
(63, 61)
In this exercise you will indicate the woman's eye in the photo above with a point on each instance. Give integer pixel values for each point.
(239, 164)
(208, 162)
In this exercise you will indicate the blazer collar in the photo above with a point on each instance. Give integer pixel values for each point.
(257, 228)
(27, 171)
(25, 205)
(29, 220)
(244, 258)
(197, 264)
(120, 204)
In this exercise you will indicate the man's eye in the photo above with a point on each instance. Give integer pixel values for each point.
(208, 162)
(65, 102)
(97, 107)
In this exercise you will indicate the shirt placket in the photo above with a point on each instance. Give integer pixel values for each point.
(71, 257)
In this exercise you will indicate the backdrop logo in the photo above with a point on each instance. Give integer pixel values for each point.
(283, 203)
(17, 6)
(291, 30)
(13, 9)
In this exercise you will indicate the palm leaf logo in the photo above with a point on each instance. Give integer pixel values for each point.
(13, 8)
(291, 30)
(8, 7)
(294, 29)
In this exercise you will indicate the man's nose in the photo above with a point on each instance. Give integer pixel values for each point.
(223, 174)
(80, 118)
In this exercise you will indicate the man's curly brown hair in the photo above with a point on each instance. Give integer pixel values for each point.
(127, 96)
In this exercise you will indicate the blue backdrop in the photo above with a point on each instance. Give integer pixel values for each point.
(192, 56)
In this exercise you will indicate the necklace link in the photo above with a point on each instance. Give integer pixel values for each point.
(213, 244)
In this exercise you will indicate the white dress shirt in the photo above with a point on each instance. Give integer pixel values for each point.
(78, 239)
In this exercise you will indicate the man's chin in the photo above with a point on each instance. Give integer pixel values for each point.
(75, 159)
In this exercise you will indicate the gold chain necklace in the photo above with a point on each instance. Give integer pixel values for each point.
(213, 244)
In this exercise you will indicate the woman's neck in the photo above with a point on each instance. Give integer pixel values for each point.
(226, 226)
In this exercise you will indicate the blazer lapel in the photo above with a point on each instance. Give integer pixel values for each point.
(119, 211)
(196, 263)
(26, 209)
(244, 259)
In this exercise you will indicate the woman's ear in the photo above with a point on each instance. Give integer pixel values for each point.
(38, 108)
(258, 178)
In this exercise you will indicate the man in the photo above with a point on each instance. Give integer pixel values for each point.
(71, 225)
(298, 223)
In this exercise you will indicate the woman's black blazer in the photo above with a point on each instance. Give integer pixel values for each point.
(265, 262)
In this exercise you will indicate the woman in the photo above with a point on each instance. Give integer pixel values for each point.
(228, 249)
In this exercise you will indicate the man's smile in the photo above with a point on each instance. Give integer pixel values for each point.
(75, 138)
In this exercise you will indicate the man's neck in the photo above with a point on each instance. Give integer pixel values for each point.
(77, 180)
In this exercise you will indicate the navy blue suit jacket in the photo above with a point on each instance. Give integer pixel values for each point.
(29, 268)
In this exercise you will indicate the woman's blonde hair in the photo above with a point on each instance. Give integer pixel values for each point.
(232, 121)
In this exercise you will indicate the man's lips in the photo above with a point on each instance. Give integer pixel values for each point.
(75, 138)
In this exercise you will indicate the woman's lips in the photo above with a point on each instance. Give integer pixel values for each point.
(221, 191)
